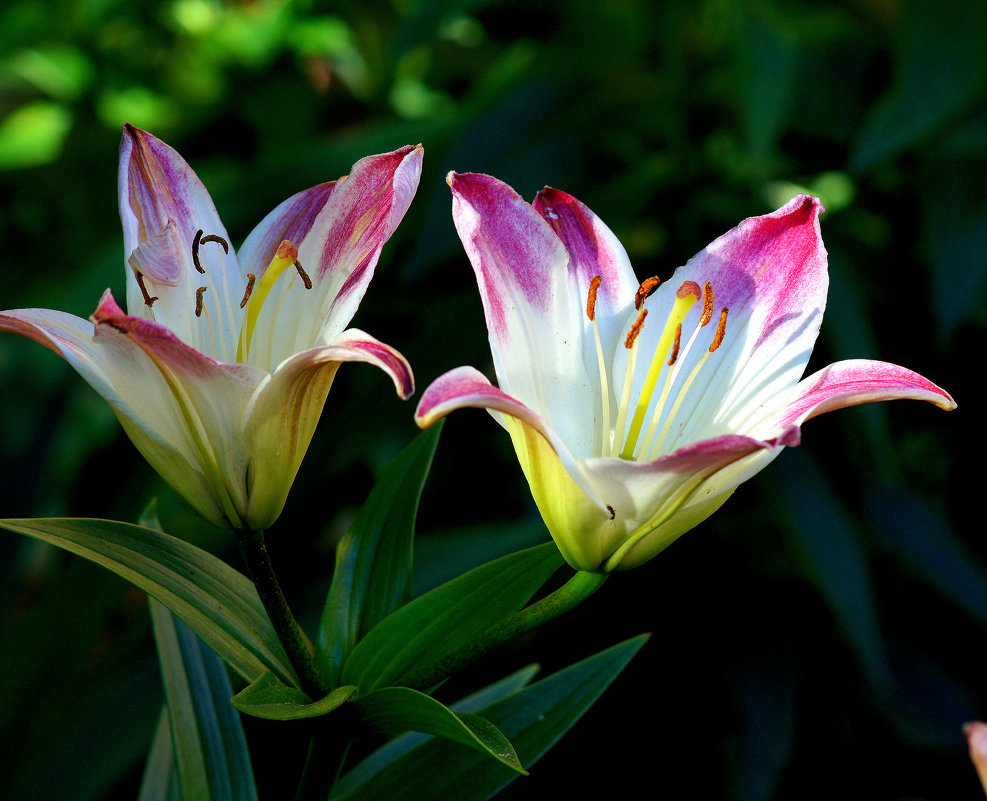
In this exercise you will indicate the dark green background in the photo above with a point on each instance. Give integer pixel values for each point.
(822, 636)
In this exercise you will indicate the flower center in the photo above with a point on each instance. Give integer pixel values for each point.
(257, 292)
(642, 439)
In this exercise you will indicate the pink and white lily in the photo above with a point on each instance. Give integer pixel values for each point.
(220, 370)
(635, 416)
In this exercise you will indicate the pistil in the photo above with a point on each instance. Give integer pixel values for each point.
(285, 257)
(685, 298)
(594, 287)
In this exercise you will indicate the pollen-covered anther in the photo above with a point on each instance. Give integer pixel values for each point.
(251, 278)
(198, 300)
(304, 275)
(675, 345)
(721, 330)
(635, 329)
(708, 300)
(148, 299)
(594, 287)
(216, 238)
(647, 286)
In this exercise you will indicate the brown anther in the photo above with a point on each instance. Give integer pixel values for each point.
(675, 345)
(613, 512)
(198, 300)
(721, 330)
(594, 286)
(647, 285)
(689, 288)
(140, 282)
(305, 279)
(195, 251)
(198, 240)
(215, 238)
(708, 298)
(250, 288)
(635, 329)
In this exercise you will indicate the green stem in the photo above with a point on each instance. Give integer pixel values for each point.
(296, 642)
(576, 590)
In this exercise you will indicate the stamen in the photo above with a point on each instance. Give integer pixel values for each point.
(613, 512)
(708, 299)
(198, 240)
(685, 298)
(721, 330)
(305, 279)
(195, 251)
(647, 285)
(594, 286)
(635, 329)
(198, 300)
(285, 256)
(675, 345)
(250, 288)
(140, 282)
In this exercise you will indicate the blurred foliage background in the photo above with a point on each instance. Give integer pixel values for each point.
(822, 636)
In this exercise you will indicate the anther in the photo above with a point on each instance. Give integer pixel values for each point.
(635, 329)
(305, 279)
(198, 300)
(250, 288)
(708, 298)
(721, 330)
(613, 512)
(215, 238)
(594, 286)
(140, 282)
(647, 285)
(198, 240)
(675, 345)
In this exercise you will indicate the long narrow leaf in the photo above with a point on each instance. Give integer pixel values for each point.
(270, 699)
(218, 603)
(210, 749)
(533, 719)
(160, 781)
(428, 628)
(372, 577)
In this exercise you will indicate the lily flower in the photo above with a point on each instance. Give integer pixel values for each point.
(220, 370)
(636, 413)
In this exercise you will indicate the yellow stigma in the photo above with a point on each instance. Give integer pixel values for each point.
(285, 257)
(685, 299)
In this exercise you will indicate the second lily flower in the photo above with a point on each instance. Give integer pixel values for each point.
(635, 413)
(220, 371)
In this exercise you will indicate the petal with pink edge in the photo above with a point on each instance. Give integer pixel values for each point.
(849, 383)
(283, 413)
(535, 321)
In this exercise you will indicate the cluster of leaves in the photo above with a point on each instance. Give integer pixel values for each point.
(825, 625)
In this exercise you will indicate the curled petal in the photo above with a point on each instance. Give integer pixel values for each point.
(283, 413)
(852, 382)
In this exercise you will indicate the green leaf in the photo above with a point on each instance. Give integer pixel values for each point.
(160, 781)
(268, 697)
(533, 719)
(374, 560)
(474, 702)
(425, 630)
(210, 749)
(393, 710)
(214, 600)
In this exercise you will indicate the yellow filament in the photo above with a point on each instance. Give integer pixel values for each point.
(685, 298)
(283, 259)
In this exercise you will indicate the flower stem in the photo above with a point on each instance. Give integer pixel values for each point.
(296, 643)
(576, 590)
